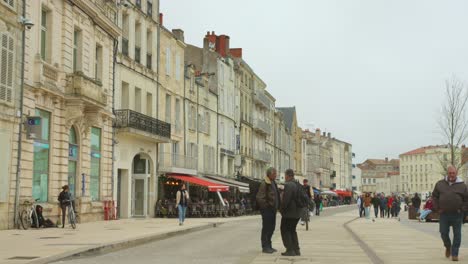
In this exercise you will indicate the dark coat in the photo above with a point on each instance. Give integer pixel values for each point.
(450, 198)
(289, 208)
(266, 194)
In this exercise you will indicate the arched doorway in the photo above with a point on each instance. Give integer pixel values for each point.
(141, 176)
(73, 150)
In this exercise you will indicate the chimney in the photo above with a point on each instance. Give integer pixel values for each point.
(178, 34)
(329, 135)
(236, 53)
(161, 16)
(222, 45)
(386, 159)
(317, 132)
(209, 42)
(324, 134)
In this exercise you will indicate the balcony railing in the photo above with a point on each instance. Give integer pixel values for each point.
(170, 161)
(262, 126)
(261, 98)
(262, 155)
(128, 118)
(81, 86)
(125, 46)
(137, 54)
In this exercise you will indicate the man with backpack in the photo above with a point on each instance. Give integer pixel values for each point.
(268, 201)
(293, 203)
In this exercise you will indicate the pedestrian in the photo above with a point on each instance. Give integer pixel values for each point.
(426, 210)
(416, 202)
(318, 204)
(376, 204)
(396, 206)
(65, 200)
(450, 199)
(367, 204)
(290, 212)
(383, 205)
(268, 200)
(360, 203)
(389, 205)
(182, 197)
(307, 189)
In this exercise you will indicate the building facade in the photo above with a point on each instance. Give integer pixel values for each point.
(374, 169)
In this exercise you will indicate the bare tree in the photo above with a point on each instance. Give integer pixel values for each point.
(453, 122)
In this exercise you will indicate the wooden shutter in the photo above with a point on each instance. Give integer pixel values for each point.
(6, 67)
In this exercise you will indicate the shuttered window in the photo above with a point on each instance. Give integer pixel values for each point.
(6, 67)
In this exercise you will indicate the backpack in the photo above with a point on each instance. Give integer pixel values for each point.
(302, 200)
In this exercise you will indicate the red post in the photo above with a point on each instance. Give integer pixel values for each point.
(106, 211)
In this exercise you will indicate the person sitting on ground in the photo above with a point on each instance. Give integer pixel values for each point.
(426, 210)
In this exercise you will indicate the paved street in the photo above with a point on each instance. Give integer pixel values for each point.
(234, 242)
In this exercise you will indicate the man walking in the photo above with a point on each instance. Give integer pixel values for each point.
(416, 201)
(307, 189)
(376, 204)
(268, 201)
(450, 199)
(291, 213)
(318, 204)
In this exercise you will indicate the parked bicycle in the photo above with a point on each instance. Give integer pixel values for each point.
(28, 217)
(71, 213)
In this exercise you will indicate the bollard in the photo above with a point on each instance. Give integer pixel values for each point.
(106, 211)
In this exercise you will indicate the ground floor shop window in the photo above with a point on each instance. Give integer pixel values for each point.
(40, 183)
(95, 163)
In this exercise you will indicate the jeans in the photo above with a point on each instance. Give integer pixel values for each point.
(382, 212)
(361, 211)
(376, 211)
(367, 210)
(182, 210)
(317, 209)
(289, 234)
(268, 226)
(454, 220)
(424, 214)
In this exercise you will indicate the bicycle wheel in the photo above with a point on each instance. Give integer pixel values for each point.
(72, 218)
(25, 219)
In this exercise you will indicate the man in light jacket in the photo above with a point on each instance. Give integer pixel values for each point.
(291, 213)
(450, 199)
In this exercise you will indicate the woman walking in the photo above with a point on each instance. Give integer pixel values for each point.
(389, 205)
(182, 197)
(64, 199)
(367, 205)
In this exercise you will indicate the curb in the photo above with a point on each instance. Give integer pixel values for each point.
(123, 244)
(369, 251)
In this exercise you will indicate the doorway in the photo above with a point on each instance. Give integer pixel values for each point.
(140, 186)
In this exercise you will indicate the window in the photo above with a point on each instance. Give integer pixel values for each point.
(138, 42)
(6, 68)
(138, 3)
(98, 63)
(137, 100)
(221, 133)
(72, 160)
(125, 27)
(125, 96)
(168, 108)
(9, 2)
(177, 69)
(177, 115)
(41, 159)
(43, 34)
(374, 181)
(207, 122)
(77, 50)
(149, 48)
(168, 61)
(95, 163)
(149, 5)
(149, 104)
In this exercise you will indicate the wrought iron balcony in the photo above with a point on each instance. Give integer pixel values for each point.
(262, 126)
(261, 99)
(262, 155)
(128, 118)
(171, 162)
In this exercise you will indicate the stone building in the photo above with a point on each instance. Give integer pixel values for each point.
(139, 132)
(10, 93)
(373, 169)
(69, 83)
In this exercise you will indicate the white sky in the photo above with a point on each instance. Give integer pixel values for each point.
(371, 72)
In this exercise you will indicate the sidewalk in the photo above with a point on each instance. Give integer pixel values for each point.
(327, 241)
(52, 244)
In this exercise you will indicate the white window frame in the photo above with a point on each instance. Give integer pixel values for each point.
(7, 67)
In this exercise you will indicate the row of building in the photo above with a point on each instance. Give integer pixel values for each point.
(101, 96)
(416, 171)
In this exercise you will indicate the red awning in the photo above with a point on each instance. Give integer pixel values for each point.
(343, 193)
(212, 187)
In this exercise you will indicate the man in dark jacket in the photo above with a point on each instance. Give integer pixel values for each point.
(376, 203)
(290, 213)
(450, 199)
(416, 202)
(268, 200)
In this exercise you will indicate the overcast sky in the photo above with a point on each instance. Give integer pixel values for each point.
(371, 72)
